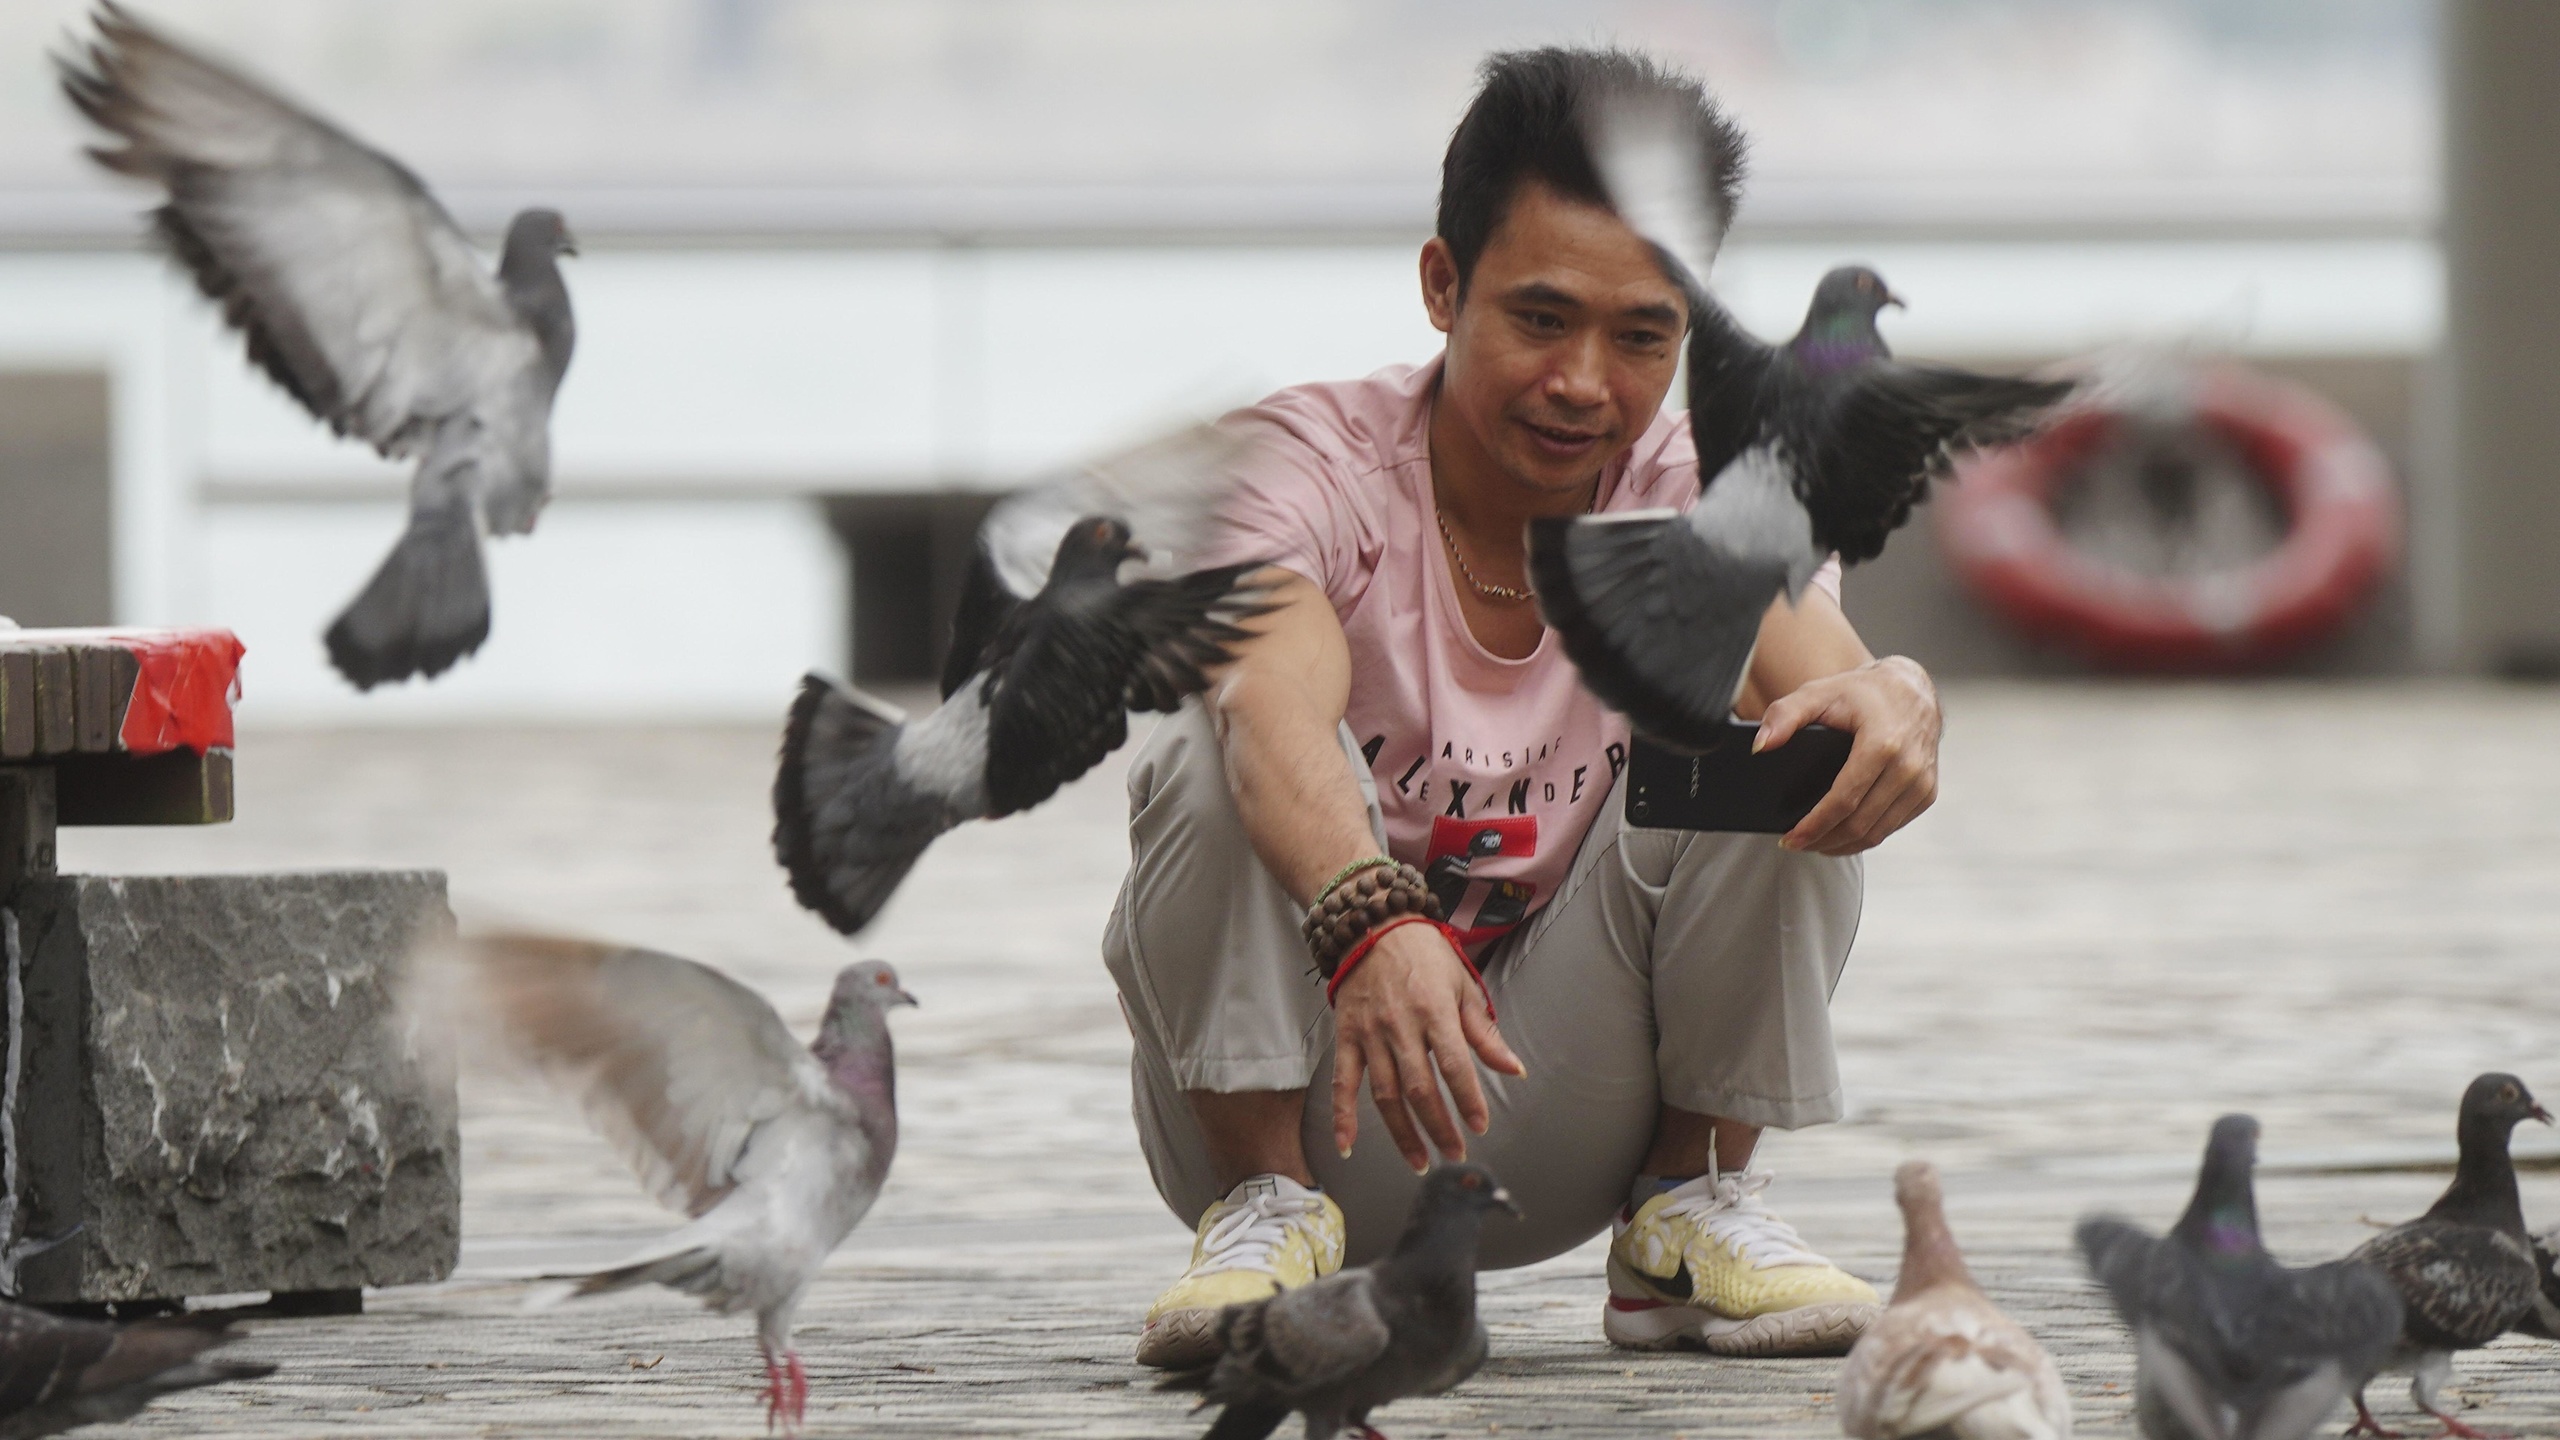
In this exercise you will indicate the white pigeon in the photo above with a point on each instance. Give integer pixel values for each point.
(1943, 1360)
(775, 1152)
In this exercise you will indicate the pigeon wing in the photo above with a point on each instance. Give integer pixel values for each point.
(1930, 1362)
(1062, 683)
(1731, 376)
(1660, 622)
(2461, 1285)
(2545, 1319)
(857, 797)
(1872, 447)
(40, 1354)
(1167, 490)
(1300, 1341)
(354, 288)
(1672, 172)
(674, 1062)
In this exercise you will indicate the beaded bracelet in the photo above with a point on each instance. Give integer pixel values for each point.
(1346, 872)
(1369, 898)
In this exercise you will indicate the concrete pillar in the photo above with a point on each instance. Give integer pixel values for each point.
(2502, 252)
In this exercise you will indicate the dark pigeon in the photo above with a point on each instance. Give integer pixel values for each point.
(774, 1150)
(358, 294)
(1340, 1347)
(2544, 1322)
(2465, 1269)
(1818, 446)
(1054, 671)
(58, 1374)
(2229, 1344)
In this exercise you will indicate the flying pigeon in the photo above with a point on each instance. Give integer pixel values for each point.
(773, 1151)
(1943, 1360)
(58, 1374)
(1049, 652)
(1819, 446)
(1335, 1349)
(358, 294)
(2230, 1345)
(2465, 1269)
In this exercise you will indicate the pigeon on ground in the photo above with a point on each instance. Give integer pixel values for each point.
(2230, 1345)
(1340, 1347)
(1943, 1360)
(1815, 447)
(2544, 1322)
(58, 1374)
(2465, 1269)
(1049, 652)
(359, 295)
(773, 1150)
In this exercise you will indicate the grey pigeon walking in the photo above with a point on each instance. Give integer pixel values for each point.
(1819, 446)
(2465, 1270)
(1942, 1360)
(2230, 1345)
(774, 1151)
(1050, 652)
(1338, 1348)
(58, 1374)
(357, 293)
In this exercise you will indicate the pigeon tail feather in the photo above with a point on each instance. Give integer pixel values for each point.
(1661, 627)
(838, 743)
(426, 607)
(1246, 1421)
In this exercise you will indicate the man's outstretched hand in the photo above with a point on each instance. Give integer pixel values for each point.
(1891, 710)
(1409, 1017)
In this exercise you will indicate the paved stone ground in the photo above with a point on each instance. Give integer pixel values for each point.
(2136, 908)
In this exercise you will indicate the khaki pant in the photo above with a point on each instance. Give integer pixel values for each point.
(1673, 966)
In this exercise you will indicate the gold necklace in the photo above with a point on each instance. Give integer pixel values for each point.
(1490, 592)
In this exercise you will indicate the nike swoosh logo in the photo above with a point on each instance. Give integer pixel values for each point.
(1677, 1282)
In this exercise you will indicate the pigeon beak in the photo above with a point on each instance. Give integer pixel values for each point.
(1139, 553)
(1895, 301)
(1502, 1198)
(568, 242)
(903, 998)
(2541, 1114)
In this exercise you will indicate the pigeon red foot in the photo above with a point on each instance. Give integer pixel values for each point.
(786, 1392)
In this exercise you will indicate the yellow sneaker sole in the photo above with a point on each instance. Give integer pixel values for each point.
(1180, 1340)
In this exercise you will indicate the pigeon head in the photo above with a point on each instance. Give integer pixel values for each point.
(2495, 1104)
(1929, 1253)
(867, 989)
(1440, 1230)
(2222, 1219)
(1092, 549)
(1468, 1189)
(1840, 326)
(537, 237)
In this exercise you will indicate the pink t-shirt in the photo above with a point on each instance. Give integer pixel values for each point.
(1489, 771)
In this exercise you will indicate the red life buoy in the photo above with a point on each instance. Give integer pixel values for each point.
(2342, 535)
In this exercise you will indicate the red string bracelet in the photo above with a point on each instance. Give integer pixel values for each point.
(1360, 952)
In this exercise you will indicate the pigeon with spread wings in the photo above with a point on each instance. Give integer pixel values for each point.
(1815, 447)
(1050, 652)
(2229, 1344)
(358, 294)
(774, 1150)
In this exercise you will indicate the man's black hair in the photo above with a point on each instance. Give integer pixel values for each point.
(1526, 123)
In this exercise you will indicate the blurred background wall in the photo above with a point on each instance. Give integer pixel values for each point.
(851, 265)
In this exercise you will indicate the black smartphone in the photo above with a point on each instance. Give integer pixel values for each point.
(1726, 787)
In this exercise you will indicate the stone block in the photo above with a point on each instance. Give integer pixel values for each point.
(214, 1084)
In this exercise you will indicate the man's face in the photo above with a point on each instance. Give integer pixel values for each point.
(1565, 342)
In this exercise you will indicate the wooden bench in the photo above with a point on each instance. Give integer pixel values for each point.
(203, 1087)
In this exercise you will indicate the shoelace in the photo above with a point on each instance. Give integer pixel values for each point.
(1243, 1238)
(1733, 1212)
